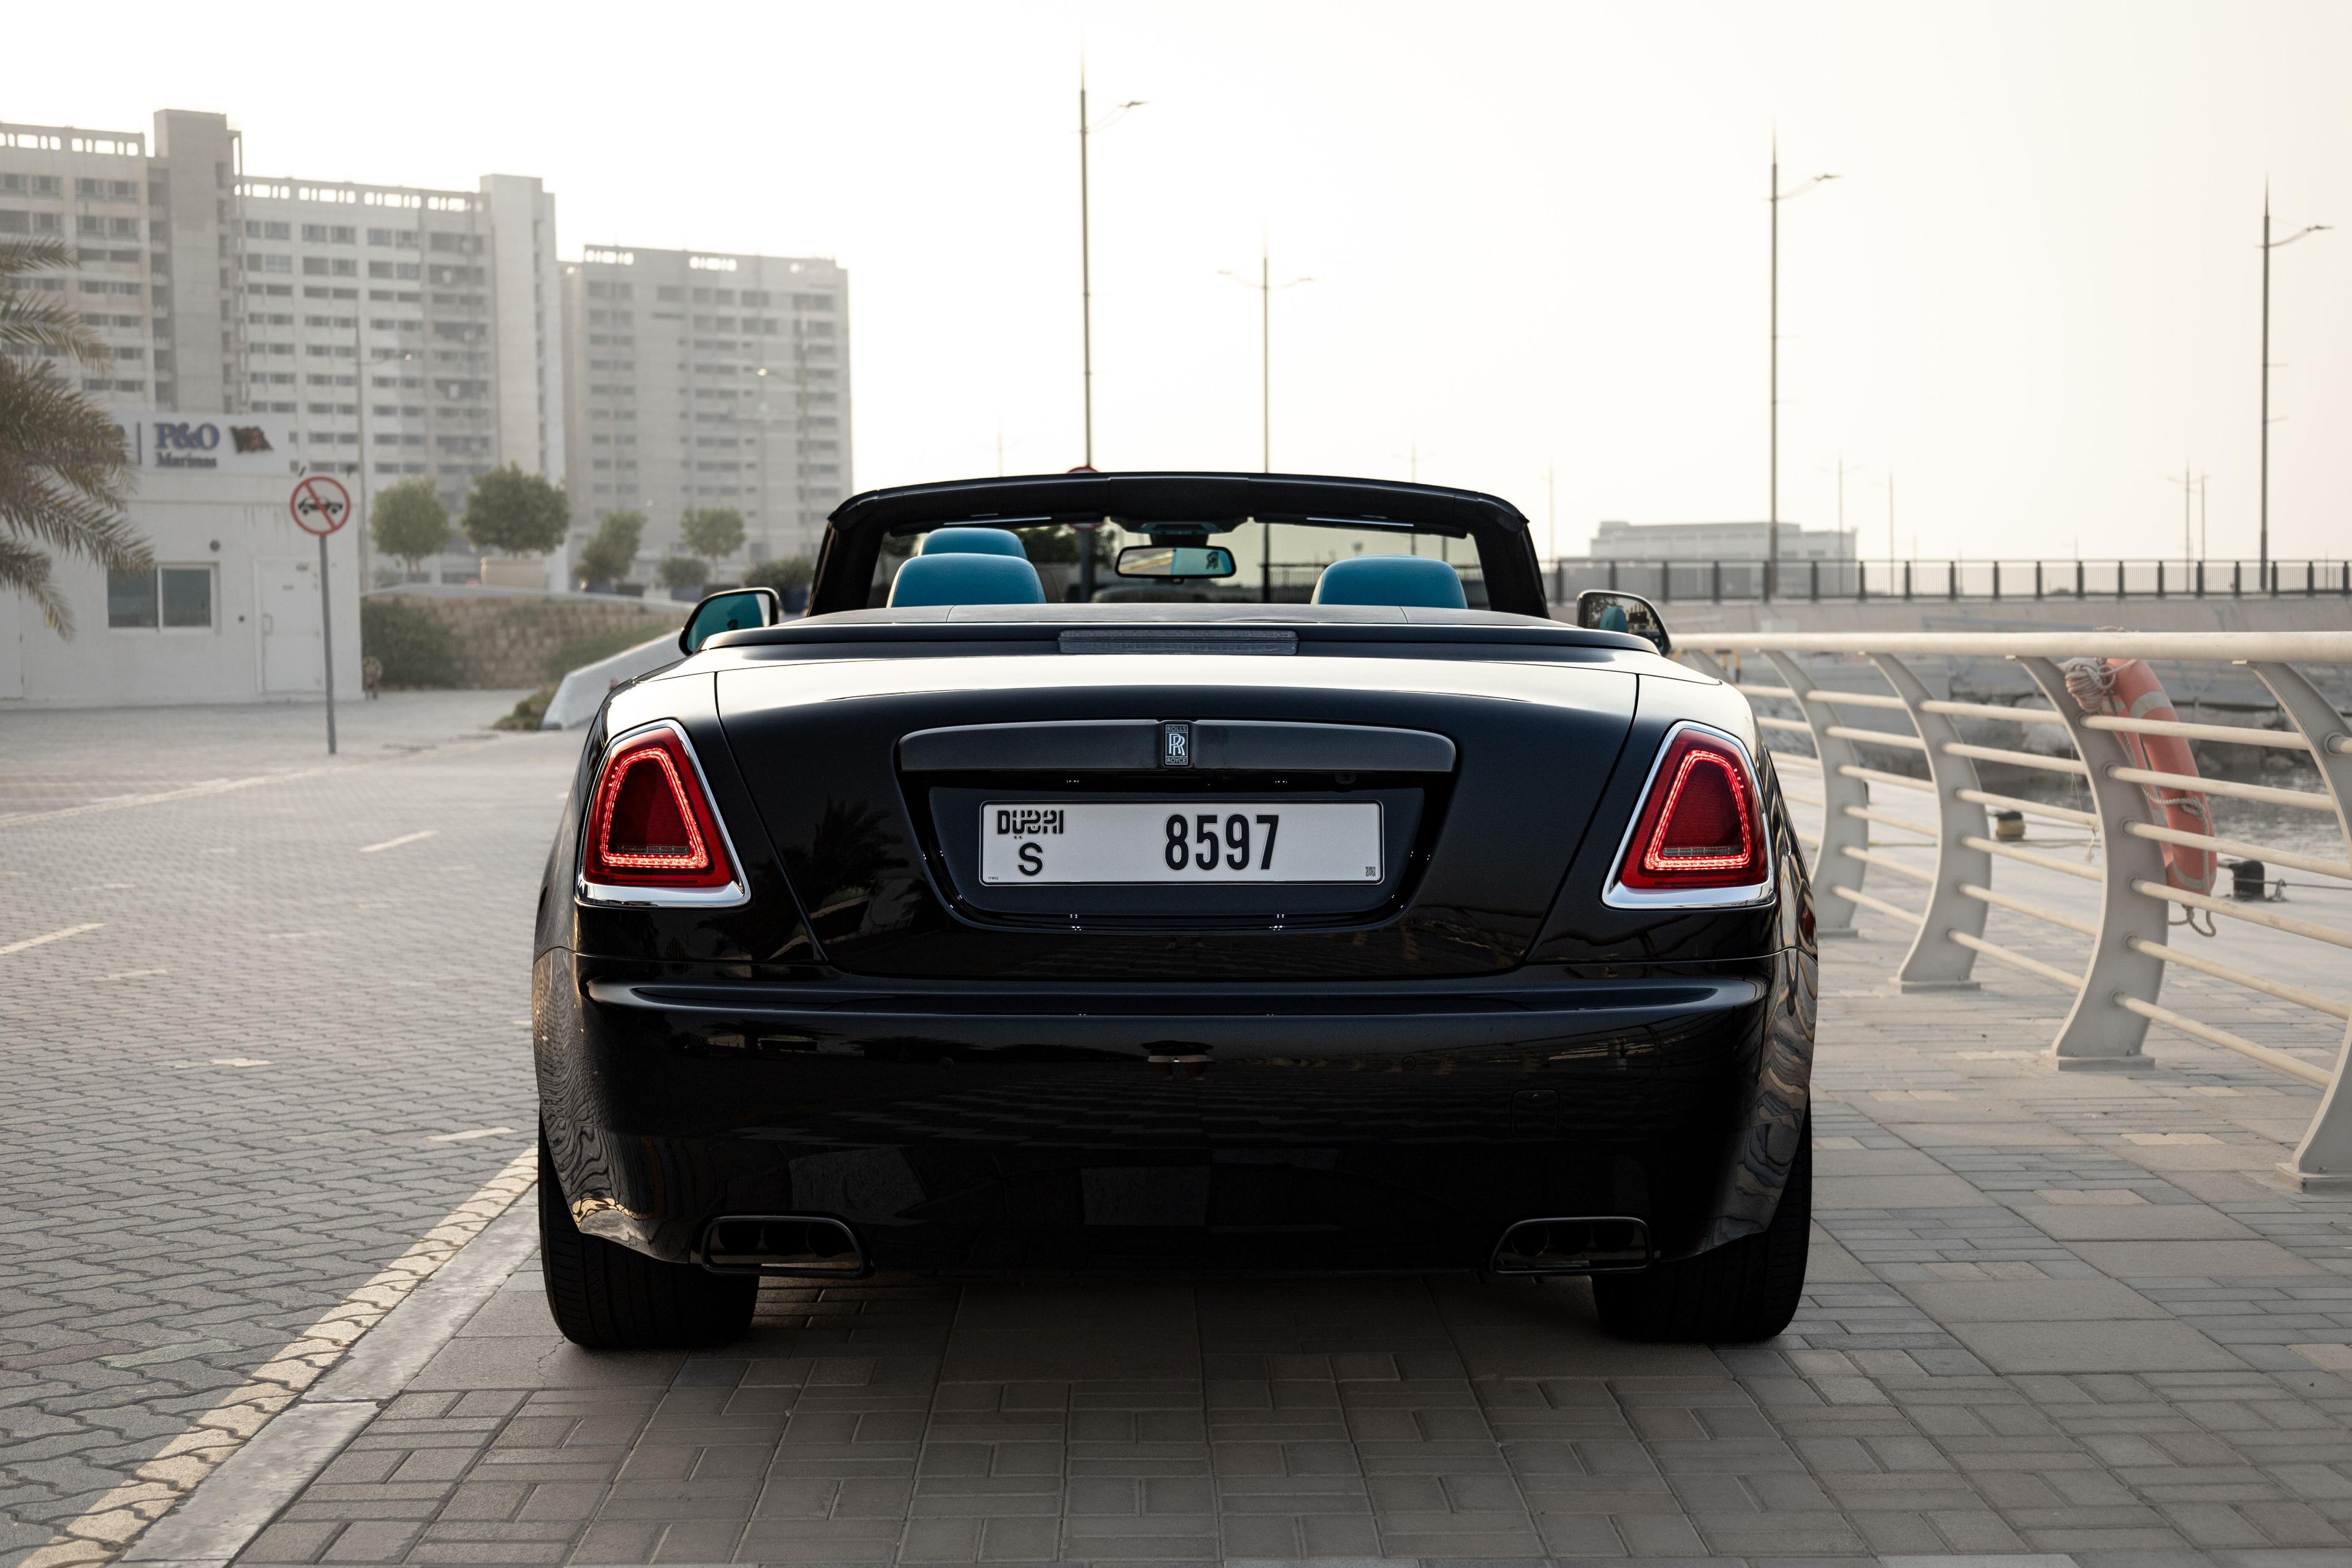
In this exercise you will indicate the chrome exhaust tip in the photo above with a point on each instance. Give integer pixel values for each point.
(1573, 1243)
(797, 1246)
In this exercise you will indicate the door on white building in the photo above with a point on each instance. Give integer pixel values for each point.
(292, 649)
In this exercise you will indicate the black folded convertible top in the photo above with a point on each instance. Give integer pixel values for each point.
(1507, 556)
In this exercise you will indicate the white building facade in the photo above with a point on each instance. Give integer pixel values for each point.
(229, 612)
(708, 380)
(401, 332)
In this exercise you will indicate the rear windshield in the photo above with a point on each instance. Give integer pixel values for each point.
(1273, 563)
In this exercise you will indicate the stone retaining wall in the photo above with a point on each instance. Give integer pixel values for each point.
(510, 640)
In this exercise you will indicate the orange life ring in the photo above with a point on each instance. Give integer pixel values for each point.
(2130, 690)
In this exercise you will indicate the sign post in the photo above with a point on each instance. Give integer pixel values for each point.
(321, 506)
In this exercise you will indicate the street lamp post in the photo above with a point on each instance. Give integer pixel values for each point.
(1086, 313)
(2193, 488)
(1265, 288)
(1772, 523)
(2269, 245)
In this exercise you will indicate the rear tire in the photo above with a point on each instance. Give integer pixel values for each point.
(607, 1298)
(1744, 1289)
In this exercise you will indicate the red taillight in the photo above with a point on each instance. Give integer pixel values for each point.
(650, 826)
(1697, 828)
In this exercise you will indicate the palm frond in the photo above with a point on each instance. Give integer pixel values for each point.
(27, 571)
(46, 324)
(46, 423)
(64, 473)
(43, 321)
(18, 257)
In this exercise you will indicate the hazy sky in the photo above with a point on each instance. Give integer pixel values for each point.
(1537, 232)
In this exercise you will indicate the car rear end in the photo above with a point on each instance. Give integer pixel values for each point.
(1041, 953)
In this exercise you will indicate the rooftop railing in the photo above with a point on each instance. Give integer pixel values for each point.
(1734, 582)
(2095, 908)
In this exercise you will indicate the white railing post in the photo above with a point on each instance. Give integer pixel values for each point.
(2097, 1033)
(1937, 962)
(2323, 1161)
(1833, 868)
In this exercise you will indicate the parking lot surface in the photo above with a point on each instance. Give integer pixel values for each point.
(2051, 1318)
(251, 1056)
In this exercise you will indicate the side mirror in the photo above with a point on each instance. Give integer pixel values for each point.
(1176, 561)
(729, 610)
(1607, 610)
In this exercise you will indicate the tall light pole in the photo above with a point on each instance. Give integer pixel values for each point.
(1890, 518)
(2269, 245)
(1842, 470)
(2192, 486)
(1087, 312)
(1265, 287)
(1772, 523)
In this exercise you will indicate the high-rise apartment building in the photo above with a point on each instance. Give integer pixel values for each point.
(708, 380)
(405, 331)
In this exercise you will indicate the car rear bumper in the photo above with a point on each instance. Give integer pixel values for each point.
(1066, 1126)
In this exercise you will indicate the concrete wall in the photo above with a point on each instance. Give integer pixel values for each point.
(508, 638)
(264, 642)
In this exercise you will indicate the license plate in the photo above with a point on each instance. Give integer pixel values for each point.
(1208, 841)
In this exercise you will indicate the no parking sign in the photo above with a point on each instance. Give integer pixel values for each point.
(322, 506)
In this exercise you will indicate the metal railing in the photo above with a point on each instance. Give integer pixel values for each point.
(1722, 582)
(2117, 983)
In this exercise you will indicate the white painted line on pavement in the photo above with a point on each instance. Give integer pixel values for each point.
(121, 803)
(117, 1519)
(467, 1136)
(53, 936)
(397, 843)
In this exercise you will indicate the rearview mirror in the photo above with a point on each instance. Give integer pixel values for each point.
(729, 610)
(1176, 561)
(1607, 610)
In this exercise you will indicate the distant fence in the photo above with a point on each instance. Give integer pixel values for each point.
(2118, 978)
(1722, 582)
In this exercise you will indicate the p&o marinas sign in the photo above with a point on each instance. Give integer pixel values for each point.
(216, 443)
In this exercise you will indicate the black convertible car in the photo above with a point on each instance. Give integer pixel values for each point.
(961, 926)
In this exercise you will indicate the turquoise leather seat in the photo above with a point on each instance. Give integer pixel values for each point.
(959, 578)
(973, 542)
(1419, 580)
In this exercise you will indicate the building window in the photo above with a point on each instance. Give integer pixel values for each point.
(167, 598)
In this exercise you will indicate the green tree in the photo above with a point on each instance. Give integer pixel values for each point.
(787, 576)
(711, 532)
(517, 512)
(684, 574)
(612, 549)
(410, 522)
(64, 475)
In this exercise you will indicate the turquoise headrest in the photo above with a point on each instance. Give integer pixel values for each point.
(1612, 618)
(961, 579)
(973, 542)
(1420, 580)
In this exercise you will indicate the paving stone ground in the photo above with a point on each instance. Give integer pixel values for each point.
(223, 1100)
(2048, 1315)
